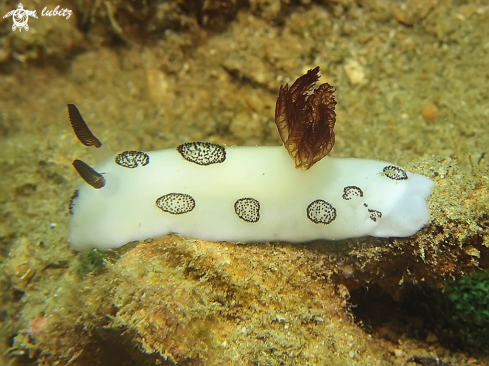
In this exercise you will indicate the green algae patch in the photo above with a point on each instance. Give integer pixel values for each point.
(90, 262)
(464, 306)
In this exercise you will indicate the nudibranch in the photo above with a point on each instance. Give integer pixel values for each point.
(247, 194)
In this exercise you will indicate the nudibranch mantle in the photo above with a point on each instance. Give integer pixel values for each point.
(243, 194)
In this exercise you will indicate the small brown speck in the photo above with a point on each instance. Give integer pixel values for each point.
(430, 112)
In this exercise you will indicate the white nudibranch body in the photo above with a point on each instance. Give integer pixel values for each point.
(245, 194)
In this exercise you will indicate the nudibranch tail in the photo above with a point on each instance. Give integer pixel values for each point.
(88, 174)
(305, 118)
(85, 136)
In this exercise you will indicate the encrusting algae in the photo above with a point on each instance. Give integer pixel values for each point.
(193, 302)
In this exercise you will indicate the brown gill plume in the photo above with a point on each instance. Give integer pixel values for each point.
(305, 119)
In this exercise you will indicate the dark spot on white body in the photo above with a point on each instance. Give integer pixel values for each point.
(374, 215)
(247, 209)
(71, 205)
(351, 191)
(176, 203)
(321, 212)
(394, 172)
(132, 159)
(202, 153)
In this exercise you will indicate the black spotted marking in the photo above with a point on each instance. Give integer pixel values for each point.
(321, 212)
(394, 172)
(71, 205)
(374, 215)
(176, 203)
(351, 191)
(247, 209)
(202, 153)
(132, 159)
